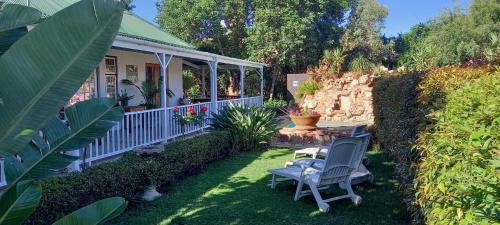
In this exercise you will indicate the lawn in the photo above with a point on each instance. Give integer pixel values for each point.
(237, 191)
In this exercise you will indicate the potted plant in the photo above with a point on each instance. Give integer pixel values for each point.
(304, 119)
(191, 117)
(123, 98)
(149, 92)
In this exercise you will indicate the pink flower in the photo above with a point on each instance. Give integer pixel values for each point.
(204, 109)
(176, 109)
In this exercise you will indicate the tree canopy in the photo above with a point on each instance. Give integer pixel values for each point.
(287, 35)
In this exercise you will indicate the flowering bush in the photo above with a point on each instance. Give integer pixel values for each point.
(191, 117)
(302, 112)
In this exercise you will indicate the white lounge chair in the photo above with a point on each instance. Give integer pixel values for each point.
(360, 175)
(342, 159)
(322, 150)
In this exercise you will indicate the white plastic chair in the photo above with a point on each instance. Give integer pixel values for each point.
(342, 159)
(360, 175)
(322, 150)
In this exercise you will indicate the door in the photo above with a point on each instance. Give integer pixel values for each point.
(153, 75)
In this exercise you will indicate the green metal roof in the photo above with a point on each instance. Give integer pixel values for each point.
(132, 25)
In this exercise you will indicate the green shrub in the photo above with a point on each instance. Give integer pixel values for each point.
(250, 127)
(307, 88)
(361, 64)
(442, 129)
(458, 177)
(334, 59)
(128, 175)
(275, 103)
(395, 104)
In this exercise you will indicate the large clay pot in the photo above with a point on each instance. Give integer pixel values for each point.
(305, 122)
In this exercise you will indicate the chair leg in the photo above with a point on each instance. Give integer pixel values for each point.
(273, 182)
(356, 199)
(323, 206)
(298, 191)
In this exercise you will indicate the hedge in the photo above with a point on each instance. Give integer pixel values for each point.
(129, 175)
(458, 174)
(394, 108)
(442, 129)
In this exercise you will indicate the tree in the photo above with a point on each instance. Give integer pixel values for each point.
(362, 36)
(454, 37)
(213, 26)
(290, 35)
(287, 35)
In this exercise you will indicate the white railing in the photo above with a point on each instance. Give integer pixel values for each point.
(135, 130)
(143, 128)
(175, 127)
(251, 101)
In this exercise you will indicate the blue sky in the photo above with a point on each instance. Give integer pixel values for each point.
(403, 14)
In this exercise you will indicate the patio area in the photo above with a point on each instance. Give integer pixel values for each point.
(237, 191)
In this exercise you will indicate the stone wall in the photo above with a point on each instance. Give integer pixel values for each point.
(345, 99)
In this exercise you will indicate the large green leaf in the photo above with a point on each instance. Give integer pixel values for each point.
(86, 121)
(13, 22)
(14, 16)
(44, 68)
(18, 203)
(94, 214)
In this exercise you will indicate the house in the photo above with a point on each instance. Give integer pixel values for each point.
(143, 52)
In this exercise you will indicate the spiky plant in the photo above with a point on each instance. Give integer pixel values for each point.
(250, 127)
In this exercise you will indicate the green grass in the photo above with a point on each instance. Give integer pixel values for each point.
(237, 191)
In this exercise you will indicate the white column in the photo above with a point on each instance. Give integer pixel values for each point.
(213, 84)
(242, 81)
(203, 85)
(164, 60)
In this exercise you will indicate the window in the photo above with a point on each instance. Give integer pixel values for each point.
(111, 86)
(86, 91)
(111, 73)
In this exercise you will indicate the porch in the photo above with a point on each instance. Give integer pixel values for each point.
(151, 121)
(143, 128)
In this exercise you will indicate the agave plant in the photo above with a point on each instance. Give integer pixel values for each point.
(250, 127)
(48, 71)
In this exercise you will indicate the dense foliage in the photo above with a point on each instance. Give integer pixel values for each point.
(442, 129)
(250, 127)
(288, 35)
(395, 104)
(32, 138)
(458, 175)
(362, 36)
(128, 175)
(454, 37)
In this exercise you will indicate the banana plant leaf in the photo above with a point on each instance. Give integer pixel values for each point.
(46, 66)
(14, 16)
(18, 203)
(86, 121)
(94, 214)
(13, 29)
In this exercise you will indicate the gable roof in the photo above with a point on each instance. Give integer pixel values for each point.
(132, 25)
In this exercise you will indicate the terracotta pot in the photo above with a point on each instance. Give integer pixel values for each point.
(305, 122)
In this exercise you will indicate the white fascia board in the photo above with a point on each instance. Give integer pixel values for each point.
(144, 45)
